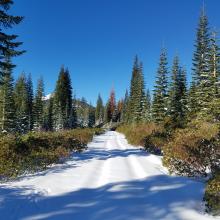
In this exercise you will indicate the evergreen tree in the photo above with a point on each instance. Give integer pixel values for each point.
(124, 113)
(91, 118)
(192, 101)
(48, 122)
(214, 64)
(63, 101)
(21, 105)
(119, 110)
(148, 106)
(39, 106)
(160, 96)
(99, 112)
(177, 95)
(8, 44)
(111, 106)
(137, 99)
(201, 68)
(30, 102)
(74, 114)
(7, 108)
(8, 49)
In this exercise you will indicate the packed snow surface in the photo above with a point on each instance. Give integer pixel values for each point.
(112, 180)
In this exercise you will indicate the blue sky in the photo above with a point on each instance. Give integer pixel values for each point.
(98, 39)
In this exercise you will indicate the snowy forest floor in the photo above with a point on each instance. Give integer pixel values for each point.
(112, 180)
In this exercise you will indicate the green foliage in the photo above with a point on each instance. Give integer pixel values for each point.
(63, 117)
(7, 105)
(177, 95)
(160, 96)
(39, 106)
(212, 195)
(136, 107)
(21, 105)
(99, 111)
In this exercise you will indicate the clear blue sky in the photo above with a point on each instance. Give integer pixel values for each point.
(98, 39)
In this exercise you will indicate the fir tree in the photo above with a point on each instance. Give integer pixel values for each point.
(192, 101)
(39, 106)
(21, 105)
(148, 106)
(7, 108)
(177, 95)
(111, 107)
(160, 96)
(7, 42)
(48, 122)
(30, 102)
(124, 113)
(214, 63)
(99, 112)
(74, 114)
(201, 68)
(120, 106)
(91, 117)
(8, 50)
(63, 101)
(137, 99)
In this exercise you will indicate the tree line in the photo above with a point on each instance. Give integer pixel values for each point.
(173, 102)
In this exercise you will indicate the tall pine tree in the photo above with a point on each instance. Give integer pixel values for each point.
(8, 50)
(201, 68)
(63, 101)
(99, 111)
(39, 106)
(7, 107)
(136, 108)
(160, 96)
(21, 105)
(177, 95)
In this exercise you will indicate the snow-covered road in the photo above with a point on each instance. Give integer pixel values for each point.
(110, 181)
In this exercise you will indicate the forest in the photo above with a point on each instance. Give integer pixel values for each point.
(178, 120)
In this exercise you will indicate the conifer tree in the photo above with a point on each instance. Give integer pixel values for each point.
(63, 101)
(48, 122)
(124, 113)
(91, 116)
(137, 99)
(148, 106)
(214, 63)
(8, 44)
(192, 101)
(39, 106)
(201, 68)
(177, 95)
(160, 96)
(8, 50)
(119, 110)
(21, 105)
(99, 112)
(7, 107)
(111, 107)
(30, 102)
(74, 114)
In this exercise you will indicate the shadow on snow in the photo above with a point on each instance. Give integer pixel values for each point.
(156, 197)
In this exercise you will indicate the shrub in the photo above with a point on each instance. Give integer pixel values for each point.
(212, 195)
(37, 150)
(193, 151)
(151, 136)
(155, 142)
